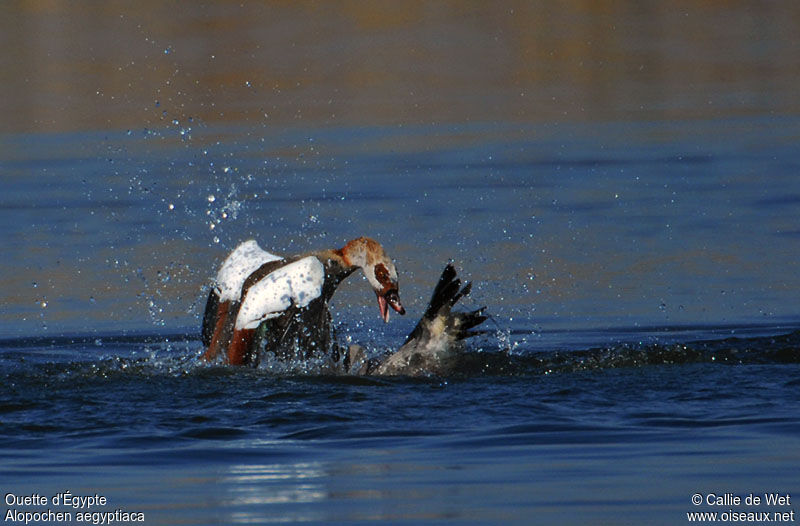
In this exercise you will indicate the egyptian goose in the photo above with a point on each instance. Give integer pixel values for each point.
(430, 347)
(259, 296)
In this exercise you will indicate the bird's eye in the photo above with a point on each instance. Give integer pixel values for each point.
(381, 273)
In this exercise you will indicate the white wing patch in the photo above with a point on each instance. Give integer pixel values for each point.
(297, 283)
(243, 261)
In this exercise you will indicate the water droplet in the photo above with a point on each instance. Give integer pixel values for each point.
(171, 206)
(211, 198)
(43, 304)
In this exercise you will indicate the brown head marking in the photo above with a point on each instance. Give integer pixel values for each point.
(382, 275)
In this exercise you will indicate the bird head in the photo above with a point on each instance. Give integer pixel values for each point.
(378, 268)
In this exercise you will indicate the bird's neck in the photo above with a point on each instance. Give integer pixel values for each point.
(337, 268)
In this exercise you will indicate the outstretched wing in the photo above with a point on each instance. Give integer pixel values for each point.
(238, 266)
(447, 292)
(241, 263)
(429, 349)
(298, 284)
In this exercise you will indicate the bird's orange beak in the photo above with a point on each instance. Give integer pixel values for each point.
(390, 298)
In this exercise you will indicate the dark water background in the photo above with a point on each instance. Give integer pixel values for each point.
(620, 182)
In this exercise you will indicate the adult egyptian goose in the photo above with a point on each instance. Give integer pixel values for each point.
(259, 296)
(431, 348)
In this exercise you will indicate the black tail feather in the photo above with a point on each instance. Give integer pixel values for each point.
(468, 320)
(464, 292)
(474, 318)
(445, 290)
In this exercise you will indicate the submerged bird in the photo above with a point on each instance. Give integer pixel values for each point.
(261, 300)
(431, 348)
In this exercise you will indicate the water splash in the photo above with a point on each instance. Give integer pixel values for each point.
(221, 211)
(179, 355)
